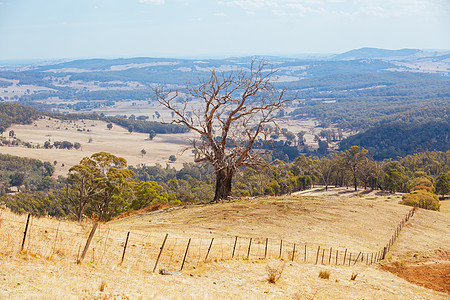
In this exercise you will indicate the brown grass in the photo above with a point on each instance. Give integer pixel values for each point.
(274, 272)
(48, 269)
(324, 274)
(117, 141)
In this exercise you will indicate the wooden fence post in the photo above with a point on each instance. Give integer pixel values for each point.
(25, 232)
(249, 246)
(160, 251)
(384, 253)
(323, 253)
(349, 258)
(345, 255)
(305, 252)
(234, 247)
(125, 247)
(281, 248)
(88, 242)
(185, 254)
(329, 258)
(337, 254)
(358, 257)
(293, 253)
(209, 249)
(317, 255)
(265, 250)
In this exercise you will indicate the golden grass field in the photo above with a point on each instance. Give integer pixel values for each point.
(117, 141)
(47, 268)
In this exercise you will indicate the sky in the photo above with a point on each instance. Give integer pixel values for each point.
(67, 29)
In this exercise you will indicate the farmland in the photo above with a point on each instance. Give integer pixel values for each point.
(359, 223)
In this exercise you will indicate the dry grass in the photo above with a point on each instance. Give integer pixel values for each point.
(47, 267)
(324, 274)
(445, 206)
(337, 222)
(274, 272)
(117, 141)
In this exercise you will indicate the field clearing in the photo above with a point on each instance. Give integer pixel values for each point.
(117, 141)
(445, 206)
(303, 218)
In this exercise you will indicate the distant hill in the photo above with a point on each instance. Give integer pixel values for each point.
(399, 139)
(376, 53)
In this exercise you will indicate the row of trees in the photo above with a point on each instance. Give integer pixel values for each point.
(102, 186)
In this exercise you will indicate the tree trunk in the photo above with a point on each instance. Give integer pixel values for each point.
(223, 184)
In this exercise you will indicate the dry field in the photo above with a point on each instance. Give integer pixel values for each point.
(117, 141)
(47, 269)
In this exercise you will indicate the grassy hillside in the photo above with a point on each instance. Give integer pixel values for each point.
(360, 222)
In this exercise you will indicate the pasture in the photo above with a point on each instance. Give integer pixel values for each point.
(357, 223)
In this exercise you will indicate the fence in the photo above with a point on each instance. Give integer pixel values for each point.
(100, 245)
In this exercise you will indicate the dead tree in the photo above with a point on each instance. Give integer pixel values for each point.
(230, 111)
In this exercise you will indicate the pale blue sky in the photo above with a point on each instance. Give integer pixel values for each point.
(47, 29)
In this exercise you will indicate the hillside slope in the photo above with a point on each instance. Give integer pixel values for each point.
(361, 222)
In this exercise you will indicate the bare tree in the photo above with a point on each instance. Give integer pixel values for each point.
(230, 111)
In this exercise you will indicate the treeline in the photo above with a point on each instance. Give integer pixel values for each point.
(11, 113)
(399, 139)
(5, 84)
(25, 173)
(146, 126)
(102, 186)
(132, 124)
(74, 94)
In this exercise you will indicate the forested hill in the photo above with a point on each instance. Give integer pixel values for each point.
(16, 114)
(399, 139)
(12, 113)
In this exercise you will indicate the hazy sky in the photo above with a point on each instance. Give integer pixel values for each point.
(43, 29)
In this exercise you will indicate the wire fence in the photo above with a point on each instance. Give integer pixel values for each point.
(100, 245)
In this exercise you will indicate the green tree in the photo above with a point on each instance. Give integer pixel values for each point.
(324, 168)
(394, 180)
(148, 193)
(443, 184)
(97, 182)
(353, 158)
(152, 134)
(109, 126)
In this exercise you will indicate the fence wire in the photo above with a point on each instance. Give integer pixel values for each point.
(65, 241)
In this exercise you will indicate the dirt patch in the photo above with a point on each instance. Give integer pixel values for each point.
(434, 276)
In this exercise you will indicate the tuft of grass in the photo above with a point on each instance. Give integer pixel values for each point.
(274, 273)
(324, 274)
(353, 277)
(102, 285)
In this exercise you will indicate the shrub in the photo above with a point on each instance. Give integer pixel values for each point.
(422, 183)
(324, 274)
(422, 199)
(274, 273)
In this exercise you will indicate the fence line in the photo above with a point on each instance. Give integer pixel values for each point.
(105, 246)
